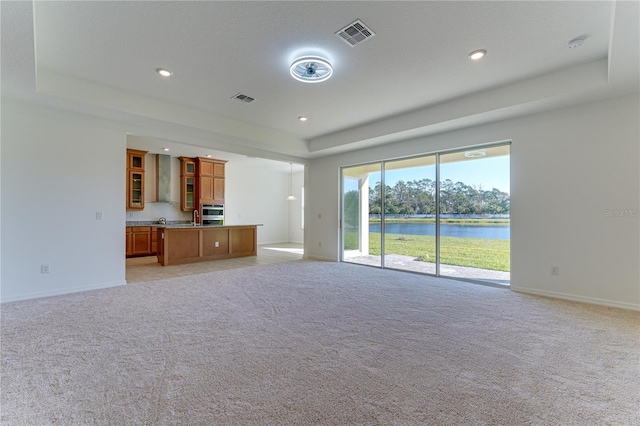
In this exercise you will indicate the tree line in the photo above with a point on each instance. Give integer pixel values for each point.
(418, 197)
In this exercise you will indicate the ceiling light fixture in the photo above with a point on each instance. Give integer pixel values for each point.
(291, 197)
(477, 54)
(166, 149)
(164, 72)
(302, 118)
(576, 42)
(208, 155)
(311, 69)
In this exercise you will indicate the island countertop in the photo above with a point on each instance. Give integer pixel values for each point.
(190, 225)
(185, 243)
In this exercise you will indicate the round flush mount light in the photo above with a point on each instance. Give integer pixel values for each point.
(166, 149)
(477, 54)
(475, 154)
(311, 69)
(164, 72)
(302, 118)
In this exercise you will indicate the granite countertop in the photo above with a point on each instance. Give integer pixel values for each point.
(190, 225)
(156, 223)
(177, 224)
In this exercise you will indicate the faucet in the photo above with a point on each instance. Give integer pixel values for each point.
(195, 217)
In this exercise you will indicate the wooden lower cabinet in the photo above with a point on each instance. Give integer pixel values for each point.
(197, 244)
(154, 240)
(141, 241)
(127, 234)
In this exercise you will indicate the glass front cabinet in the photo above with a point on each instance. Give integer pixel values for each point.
(135, 179)
(187, 184)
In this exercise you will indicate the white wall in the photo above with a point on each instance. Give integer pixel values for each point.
(57, 171)
(572, 172)
(257, 196)
(296, 232)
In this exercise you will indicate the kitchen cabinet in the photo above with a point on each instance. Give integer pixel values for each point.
(141, 241)
(127, 234)
(211, 180)
(154, 240)
(187, 184)
(202, 181)
(135, 179)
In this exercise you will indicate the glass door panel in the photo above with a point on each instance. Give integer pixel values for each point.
(361, 205)
(474, 215)
(189, 192)
(410, 210)
(137, 189)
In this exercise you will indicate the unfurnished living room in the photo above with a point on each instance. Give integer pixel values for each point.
(320, 213)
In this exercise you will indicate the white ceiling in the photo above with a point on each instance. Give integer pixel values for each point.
(413, 78)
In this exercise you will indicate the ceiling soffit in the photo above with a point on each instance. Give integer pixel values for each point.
(353, 109)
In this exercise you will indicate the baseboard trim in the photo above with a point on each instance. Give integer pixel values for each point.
(574, 298)
(60, 291)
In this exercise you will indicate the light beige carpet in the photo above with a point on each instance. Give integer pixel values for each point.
(307, 343)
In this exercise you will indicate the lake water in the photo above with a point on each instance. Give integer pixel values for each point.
(496, 232)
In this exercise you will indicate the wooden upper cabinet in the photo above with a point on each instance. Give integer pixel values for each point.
(135, 179)
(211, 180)
(188, 184)
(206, 189)
(187, 166)
(206, 167)
(218, 190)
(218, 169)
(135, 159)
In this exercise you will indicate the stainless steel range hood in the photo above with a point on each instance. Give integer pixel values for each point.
(163, 178)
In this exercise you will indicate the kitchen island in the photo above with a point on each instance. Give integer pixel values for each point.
(179, 244)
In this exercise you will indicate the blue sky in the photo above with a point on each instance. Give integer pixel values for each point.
(488, 172)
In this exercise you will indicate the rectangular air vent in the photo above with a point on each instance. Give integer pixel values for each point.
(243, 98)
(355, 33)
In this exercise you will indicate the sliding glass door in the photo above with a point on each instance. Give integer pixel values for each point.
(446, 214)
(361, 205)
(475, 214)
(410, 211)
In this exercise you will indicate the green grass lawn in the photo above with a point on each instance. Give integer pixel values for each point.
(473, 252)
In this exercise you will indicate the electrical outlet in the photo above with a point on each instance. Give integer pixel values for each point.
(217, 244)
(555, 270)
(44, 268)
(99, 215)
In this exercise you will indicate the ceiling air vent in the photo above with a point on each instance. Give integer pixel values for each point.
(243, 98)
(355, 33)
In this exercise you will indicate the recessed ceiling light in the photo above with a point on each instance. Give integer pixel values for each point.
(302, 118)
(166, 149)
(477, 54)
(164, 72)
(311, 69)
(208, 155)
